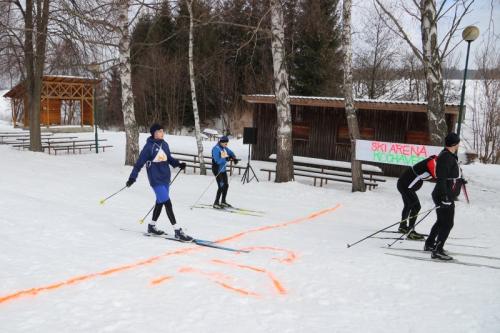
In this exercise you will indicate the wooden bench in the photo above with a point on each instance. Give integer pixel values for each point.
(80, 147)
(15, 136)
(370, 177)
(334, 168)
(195, 164)
(322, 177)
(71, 144)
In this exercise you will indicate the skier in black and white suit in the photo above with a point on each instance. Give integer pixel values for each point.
(448, 185)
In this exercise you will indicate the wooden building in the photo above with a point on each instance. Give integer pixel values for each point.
(320, 125)
(65, 100)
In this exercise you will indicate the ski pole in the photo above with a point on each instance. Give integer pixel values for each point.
(392, 225)
(141, 221)
(112, 195)
(178, 172)
(199, 198)
(410, 230)
(466, 194)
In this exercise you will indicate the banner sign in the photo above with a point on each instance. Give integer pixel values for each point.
(393, 153)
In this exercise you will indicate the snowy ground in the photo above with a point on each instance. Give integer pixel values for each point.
(67, 267)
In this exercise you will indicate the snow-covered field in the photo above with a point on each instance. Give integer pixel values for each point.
(66, 265)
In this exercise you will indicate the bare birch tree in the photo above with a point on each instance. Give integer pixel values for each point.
(125, 69)
(352, 121)
(284, 146)
(433, 52)
(197, 129)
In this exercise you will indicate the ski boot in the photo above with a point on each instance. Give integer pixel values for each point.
(403, 228)
(413, 235)
(441, 255)
(226, 205)
(152, 230)
(180, 235)
(217, 206)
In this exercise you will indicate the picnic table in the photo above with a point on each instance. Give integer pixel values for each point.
(19, 135)
(67, 145)
(325, 170)
(211, 134)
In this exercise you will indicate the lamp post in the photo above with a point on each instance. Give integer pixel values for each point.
(469, 34)
(95, 70)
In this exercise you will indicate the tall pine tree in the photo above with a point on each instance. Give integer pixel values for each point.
(316, 66)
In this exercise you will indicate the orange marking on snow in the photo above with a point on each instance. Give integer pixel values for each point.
(277, 284)
(238, 290)
(216, 275)
(119, 269)
(230, 263)
(291, 255)
(36, 291)
(217, 278)
(281, 225)
(161, 279)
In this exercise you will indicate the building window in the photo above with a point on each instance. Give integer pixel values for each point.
(417, 137)
(366, 133)
(300, 129)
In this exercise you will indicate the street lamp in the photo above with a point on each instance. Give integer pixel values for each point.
(469, 34)
(94, 68)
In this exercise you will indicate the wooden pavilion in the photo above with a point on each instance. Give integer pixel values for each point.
(319, 125)
(65, 100)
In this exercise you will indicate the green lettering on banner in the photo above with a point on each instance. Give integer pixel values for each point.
(399, 159)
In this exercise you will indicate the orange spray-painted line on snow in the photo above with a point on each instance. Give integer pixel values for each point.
(219, 278)
(36, 291)
(215, 275)
(161, 279)
(291, 256)
(238, 290)
(277, 284)
(119, 269)
(309, 217)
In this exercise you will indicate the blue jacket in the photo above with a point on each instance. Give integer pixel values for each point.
(219, 162)
(157, 157)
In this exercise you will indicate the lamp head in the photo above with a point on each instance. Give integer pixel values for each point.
(470, 33)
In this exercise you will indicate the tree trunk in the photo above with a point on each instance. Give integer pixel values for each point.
(197, 130)
(433, 73)
(284, 152)
(129, 123)
(34, 61)
(352, 121)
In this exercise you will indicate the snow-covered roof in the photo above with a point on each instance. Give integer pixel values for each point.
(360, 103)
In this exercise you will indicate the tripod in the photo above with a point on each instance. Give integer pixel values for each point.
(246, 175)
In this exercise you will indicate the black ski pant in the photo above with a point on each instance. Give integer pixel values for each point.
(168, 208)
(222, 187)
(441, 229)
(411, 204)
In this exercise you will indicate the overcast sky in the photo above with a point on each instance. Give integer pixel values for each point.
(479, 16)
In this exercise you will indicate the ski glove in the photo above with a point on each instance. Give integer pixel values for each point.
(235, 160)
(130, 181)
(182, 165)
